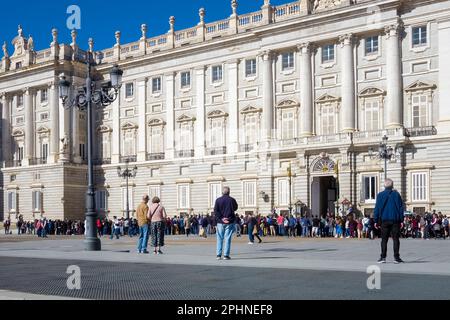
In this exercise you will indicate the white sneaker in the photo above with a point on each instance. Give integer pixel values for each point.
(251, 243)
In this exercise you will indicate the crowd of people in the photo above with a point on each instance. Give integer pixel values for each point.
(427, 226)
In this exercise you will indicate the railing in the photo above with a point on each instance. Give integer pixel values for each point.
(246, 147)
(102, 161)
(185, 153)
(43, 55)
(38, 161)
(216, 151)
(334, 138)
(250, 20)
(377, 135)
(217, 29)
(286, 11)
(13, 164)
(289, 142)
(131, 159)
(155, 156)
(185, 35)
(157, 42)
(421, 132)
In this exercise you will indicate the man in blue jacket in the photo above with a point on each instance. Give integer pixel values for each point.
(389, 214)
(225, 214)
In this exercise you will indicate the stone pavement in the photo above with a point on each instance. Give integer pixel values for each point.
(329, 267)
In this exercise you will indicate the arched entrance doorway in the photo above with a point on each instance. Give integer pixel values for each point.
(324, 186)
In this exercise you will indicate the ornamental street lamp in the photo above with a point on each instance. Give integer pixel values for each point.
(127, 174)
(385, 153)
(84, 99)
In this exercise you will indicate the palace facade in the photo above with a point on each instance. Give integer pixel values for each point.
(310, 88)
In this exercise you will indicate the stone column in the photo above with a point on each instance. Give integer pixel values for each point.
(116, 143)
(170, 114)
(142, 108)
(76, 136)
(29, 126)
(444, 76)
(64, 131)
(233, 97)
(347, 112)
(394, 99)
(267, 126)
(306, 91)
(54, 122)
(201, 113)
(6, 124)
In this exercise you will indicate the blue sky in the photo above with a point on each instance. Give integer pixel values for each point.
(100, 19)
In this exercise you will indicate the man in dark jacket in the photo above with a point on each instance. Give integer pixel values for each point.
(389, 214)
(225, 215)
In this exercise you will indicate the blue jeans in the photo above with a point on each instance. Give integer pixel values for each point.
(224, 233)
(251, 237)
(143, 238)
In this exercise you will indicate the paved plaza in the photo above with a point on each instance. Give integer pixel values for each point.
(278, 269)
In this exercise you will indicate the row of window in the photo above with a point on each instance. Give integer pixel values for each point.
(419, 187)
(20, 98)
(369, 191)
(419, 38)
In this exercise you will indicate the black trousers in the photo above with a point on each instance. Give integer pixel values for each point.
(390, 229)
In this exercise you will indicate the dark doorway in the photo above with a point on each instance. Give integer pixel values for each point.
(324, 193)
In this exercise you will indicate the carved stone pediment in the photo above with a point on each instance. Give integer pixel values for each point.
(104, 129)
(250, 109)
(320, 5)
(289, 103)
(327, 98)
(371, 91)
(129, 126)
(217, 114)
(420, 85)
(185, 118)
(20, 44)
(156, 123)
(43, 131)
(18, 133)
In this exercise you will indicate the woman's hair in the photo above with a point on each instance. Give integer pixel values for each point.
(156, 200)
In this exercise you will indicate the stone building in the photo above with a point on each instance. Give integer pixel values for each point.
(312, 86)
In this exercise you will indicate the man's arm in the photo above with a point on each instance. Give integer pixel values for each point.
(401, 207)
(235, 205)
(377, 213)
(217, 212)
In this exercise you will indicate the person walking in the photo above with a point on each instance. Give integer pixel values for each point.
(187, 225)
(253, 229)
(142, 213)
(158, 217)
(6, 225)
(389, 215)
(225, 216)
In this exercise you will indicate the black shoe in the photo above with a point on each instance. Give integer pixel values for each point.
(226, 258)
(382, 261)
(398, 261)
(160, 252)
(145, 252)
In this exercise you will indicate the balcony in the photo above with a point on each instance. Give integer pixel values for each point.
(216, 151)
(246, 147)
(102, 161)
(420, 132)
(155, 156)
(289, 142)
(185, 153)
(130, 159)
(13, 164)
(38, 161)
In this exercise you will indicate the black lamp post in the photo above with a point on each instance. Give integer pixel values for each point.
(127, 174)
(385, 153)
(85, 98)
